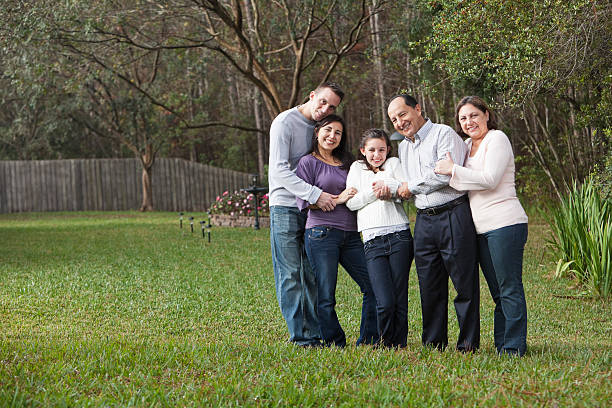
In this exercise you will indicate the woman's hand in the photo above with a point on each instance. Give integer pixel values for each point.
(346, 195)
(445, 166)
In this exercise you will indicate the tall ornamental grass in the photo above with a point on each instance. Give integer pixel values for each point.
(583, 238)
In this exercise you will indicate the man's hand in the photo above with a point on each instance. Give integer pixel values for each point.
(326, 201)
(403, 191)
(381, 191)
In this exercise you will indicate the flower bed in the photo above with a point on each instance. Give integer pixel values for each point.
(237, 209)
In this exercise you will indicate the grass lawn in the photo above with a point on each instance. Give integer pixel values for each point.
(122, 309)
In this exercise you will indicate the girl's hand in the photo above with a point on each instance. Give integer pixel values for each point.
(445, 166)
(346, 195)
(381, 191)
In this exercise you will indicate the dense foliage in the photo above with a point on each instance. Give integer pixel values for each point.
(204, 79)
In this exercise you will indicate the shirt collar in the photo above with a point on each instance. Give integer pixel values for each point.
(424, 130)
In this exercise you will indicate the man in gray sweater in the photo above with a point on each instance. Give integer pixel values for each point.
(290, 139)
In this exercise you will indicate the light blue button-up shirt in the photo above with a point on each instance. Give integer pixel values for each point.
(418, 158)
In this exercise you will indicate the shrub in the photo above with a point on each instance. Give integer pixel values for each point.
(583, 238)
(239, 203)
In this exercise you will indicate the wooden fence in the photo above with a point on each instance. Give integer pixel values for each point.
(111, 184)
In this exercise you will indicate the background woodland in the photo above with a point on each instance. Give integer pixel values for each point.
(202, 80)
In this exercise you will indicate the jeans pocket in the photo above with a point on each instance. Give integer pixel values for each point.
(404, 235)
(318, 233)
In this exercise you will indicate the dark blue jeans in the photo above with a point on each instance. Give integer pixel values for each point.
(294, 279)
(389, 258)
(326, 247)
(501, 259)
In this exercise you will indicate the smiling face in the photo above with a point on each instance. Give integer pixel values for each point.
(329, 137)
(322, 103)
(375, 151)
(406, 119)
(473, 121)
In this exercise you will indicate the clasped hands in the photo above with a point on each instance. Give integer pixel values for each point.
(383, 192)
(327, 202)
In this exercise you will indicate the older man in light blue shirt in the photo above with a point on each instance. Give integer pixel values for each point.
(444, 233)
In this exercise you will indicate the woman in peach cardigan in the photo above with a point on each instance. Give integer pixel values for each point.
(499, 218)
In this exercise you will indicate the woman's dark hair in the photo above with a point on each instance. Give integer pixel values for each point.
(481, 105)
(373, 134)
(340, 152)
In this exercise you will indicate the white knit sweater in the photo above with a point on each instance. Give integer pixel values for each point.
(372, 212)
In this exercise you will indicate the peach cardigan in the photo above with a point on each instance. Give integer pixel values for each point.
(489, 178)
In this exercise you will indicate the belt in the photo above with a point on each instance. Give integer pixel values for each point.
(444, 207)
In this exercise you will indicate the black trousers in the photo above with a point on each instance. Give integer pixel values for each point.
(445, 245)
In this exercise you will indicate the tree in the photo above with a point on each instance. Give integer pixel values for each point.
(268, 49)
(550, 60)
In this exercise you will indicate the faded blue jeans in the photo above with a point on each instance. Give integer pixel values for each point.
(500, 254)
(327, 247)
(296, 289)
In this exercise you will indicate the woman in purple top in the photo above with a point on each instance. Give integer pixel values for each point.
(331, 237)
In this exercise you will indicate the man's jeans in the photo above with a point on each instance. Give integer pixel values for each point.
(389, 258)
(326, 247)
(500, 254)
(295, 281)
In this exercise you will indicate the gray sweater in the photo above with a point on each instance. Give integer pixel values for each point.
(290, 139)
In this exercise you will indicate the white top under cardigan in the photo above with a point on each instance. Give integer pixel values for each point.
(489, 178)
(372, 213)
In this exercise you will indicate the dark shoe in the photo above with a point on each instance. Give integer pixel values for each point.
(311, 345)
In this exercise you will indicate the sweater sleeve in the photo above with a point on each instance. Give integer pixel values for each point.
(396, 174)
(280, 168)
(497, 154)
(305, 172)
(365, 195)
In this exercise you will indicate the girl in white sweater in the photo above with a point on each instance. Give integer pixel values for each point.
(386, 233)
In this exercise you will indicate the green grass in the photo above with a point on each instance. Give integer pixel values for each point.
(124, 309)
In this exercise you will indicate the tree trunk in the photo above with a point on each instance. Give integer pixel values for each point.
(260, 136)
(378, 66)
(147, 177)
(256, 98)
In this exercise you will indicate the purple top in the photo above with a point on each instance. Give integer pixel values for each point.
(332, 180)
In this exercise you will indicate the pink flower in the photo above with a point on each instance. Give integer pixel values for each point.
(229, 202)
(225, 193)
(259, 208)
(232, 213)
(218, 198)
(245, 201)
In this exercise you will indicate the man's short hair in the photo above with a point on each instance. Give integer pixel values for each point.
(334, 87)
(408, 100)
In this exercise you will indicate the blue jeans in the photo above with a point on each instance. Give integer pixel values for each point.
(388, 259)
(501, 260)
(296, 289)
(326, 247)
